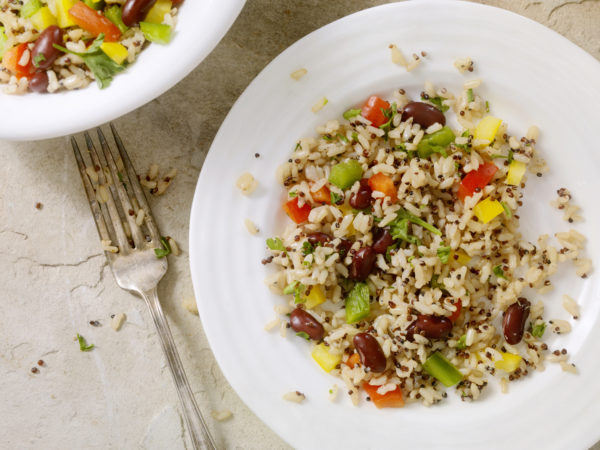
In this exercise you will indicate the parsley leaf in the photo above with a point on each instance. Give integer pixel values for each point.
(275, 244)
(462, 342)
(487, 106)
(304, 335)
(438, 102)
(498, 271)
(297, 289)
(435, 284)
(342, 138)
(399, 230)
(307, 248)
(37, 59)
(103, 68)
(355, 136)
(351, 113)
(389, 114)
(83, 345)
(292, 194)
(335, 198)
(405, 215)
(444, 253)
(165, 250)
(538, 330)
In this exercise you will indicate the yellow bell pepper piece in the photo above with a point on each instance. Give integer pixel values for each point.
(509, 362)
(115, 51)
(487, 128)
(460, 257)
(516, 170)
(315, 297)
(42, 19)
(487, 209)
(158, 11)
(346, 210)
(62, 12)
(325, 358)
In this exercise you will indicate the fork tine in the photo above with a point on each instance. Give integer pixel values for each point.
(136, 233)
(137, 189)
(112, 208)
(91, 195)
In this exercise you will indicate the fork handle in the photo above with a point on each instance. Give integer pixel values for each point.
(201, 438)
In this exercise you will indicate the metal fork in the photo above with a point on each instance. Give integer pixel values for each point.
(116, 198)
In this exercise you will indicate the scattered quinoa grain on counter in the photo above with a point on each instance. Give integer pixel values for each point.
(189, 303)
(246, 183)
(250, 226)
(464, 65)
(297, 74)
(117, 321)
(221, 415)
(174, 247)
(319, 105)
(108, 247)
(571, 306)
(294, 397)
(397, 56)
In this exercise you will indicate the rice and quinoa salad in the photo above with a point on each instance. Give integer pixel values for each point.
(55, 45)
(403, 262)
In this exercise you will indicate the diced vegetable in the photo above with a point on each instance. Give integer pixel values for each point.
(296, 289)
(462, 342)
(460, 257)
(315, 297)
(94, 4)
(62, 12)
(345, 174)
(509, 362)
(435, 143)
(30, 8)
(114, 14)
(384, 184)
(297, 214)
(373, 109)
(470, 95)
(353, 360)
(442, 370)
(499, 272)
(487, 209)
(516, 170)
(154, 32)
(391, 399)
(275, 244)
(325, 358)
(487, 128)
(323, 195)
(3, 41)
(476, 179)
(538, 330)
(94, 22)
(454, 316)
(351, 113)
(404, 215)
(357, 303)
(115, 51)
(443, 253)
(158, 11)
(43, 18)
(11, 59)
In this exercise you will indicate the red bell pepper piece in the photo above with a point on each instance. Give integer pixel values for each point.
(372, 110)
(476, 179)
(94, 21)
(296, 213)
(11, 59)
(456, 313)
(391, 399)
(383, 183)
(323, 195)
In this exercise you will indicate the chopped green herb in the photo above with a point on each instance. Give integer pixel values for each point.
(434, 284)
(165, 250)
(487, 106)
(307, 248)
(444, 253)
(335, 198)
(462, 342)
(506, 210)
(275, 244)
(389, 114)
(103, 68)
(298, 146)
(37, 59)
(354, 136)
(470, 96)
(297, 289)
(120, 175)
(342, 138)
(498, 271)
(510, 156)
(331, 391)
(404, 214)
(351, 113)
(326, 137)
(83, 345)
(303, 334)
(538, 330)
(292, 194)
(437, 101)
(399, 230)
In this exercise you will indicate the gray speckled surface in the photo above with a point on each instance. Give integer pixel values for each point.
(55, 279)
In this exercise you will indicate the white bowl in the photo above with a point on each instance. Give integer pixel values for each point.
(200, 27)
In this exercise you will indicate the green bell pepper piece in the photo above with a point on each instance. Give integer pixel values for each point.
(442, 370)
(357, 303)
(154, 32)
(345, 174)
(30, 8)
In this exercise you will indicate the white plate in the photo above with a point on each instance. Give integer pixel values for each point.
(531, 76)
(200, 26)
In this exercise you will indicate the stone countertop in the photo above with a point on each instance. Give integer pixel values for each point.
(55, 279)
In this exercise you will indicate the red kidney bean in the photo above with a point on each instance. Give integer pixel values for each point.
(135, 10)
(363, 262)
(39, 82)
(432, 327)
(370, 352)
(44, 53)
(382, 239)
(362, 199)
(344, 247)
(513, 322)
(318, 238)
(423, 113)
(303, 322)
